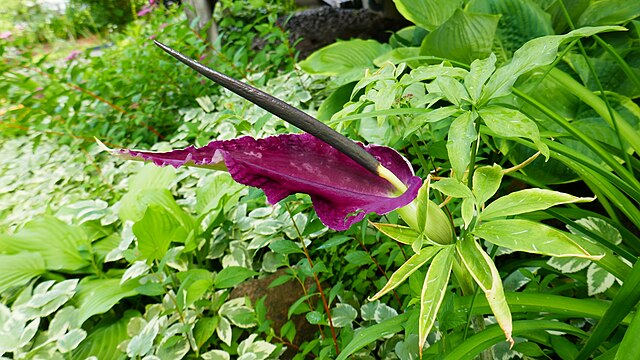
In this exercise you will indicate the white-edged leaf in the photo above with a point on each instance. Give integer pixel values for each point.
(224, 331)
(343, 315)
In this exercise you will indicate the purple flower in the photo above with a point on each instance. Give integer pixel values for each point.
(74, 54)
(5, 35)
(145, 10)
(342, 191)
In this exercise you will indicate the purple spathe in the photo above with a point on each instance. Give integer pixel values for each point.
(341, 190)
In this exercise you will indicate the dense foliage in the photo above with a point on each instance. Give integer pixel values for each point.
(521, 117)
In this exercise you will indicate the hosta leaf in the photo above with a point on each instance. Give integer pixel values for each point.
(59, 244)
(344, 57)
(102, 342)
(486, 181)
(511, 123)
(528, 200)
(520, 21)
(155, 232)
(18, 269)
(433, 290)
(462, 134)
(486, 275)
(427, 14)
(531, 237)
(408, 268)
(609, 12)
(96, 296)
(464, 37)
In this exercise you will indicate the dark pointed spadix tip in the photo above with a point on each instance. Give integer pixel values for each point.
(286, 112)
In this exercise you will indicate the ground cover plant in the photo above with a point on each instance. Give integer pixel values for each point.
(519, 118)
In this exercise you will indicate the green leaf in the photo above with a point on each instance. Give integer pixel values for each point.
(520, 21)
(453, 90)
(155, 232)
(535, 53)
(532, 237)
(462, 134)
(433, 290)
(70, 340)
(364, 336)
(285, 247)
(59, 244)
(528, 200)
(335, 102)
(486, 182)
(18, 269)
(629, 348)
(212, 195)
(464, 37)
(224, 331)
(204, 329)
(358, 258)
(511, 123)
(344, 58)
(343, 315)
(484, 272)
(216, 355)
(452, 187)
(478, 75)
(232, 276)
(409, 267)
(427, 14)
(103, 340)
(609, 12)
(97, 296)
(314, 317)
(238, 313)
(402, 234)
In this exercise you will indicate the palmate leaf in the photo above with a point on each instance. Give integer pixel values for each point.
(433, 290)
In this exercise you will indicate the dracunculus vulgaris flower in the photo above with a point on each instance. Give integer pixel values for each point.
(345, 179)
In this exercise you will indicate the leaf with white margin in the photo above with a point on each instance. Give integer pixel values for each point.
(216, 355)
(598, 280)
(251, 349)
(224, 331)
(433, 290)
(484, 272)
(343, 315)
(408, 268)
(532, 237)
(528, 200)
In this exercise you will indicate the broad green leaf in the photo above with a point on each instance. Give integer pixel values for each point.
(155, 232)
(462, 134)
(464, 37)
(486, 182)
(232, 276)
(629, 348)
(364, 336)
(59, 244)
(18, 269)
(335, 102)
(402, 234)
(343, 315)
(535, 53)
(510, 123)
(212, 194)
(427, 14)
(520, 21)
(358, 258)
(96, 296)
(609, 12)
(478, 75)
(484, 272)
(344, 58)
(452, 187)
(103, 340)
(433, 290)
(134, 206)
(285, 247)
(400, 55)
(528, 200)
(408, 268)
(453, 90)
(532, 237)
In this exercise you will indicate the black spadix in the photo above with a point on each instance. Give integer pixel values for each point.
(286, 112)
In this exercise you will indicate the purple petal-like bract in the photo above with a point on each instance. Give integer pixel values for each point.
(341, 190)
